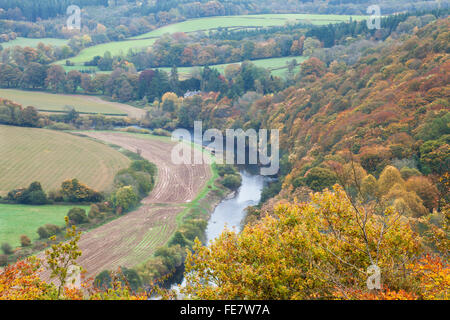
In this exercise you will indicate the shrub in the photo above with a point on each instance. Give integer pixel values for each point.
(132, 278)
(32, 195)
(6, 248)
(126, 276)
(25, 241)
(94, 212)
(61, 126)
(270, 191)
(179, 239)
(125, 198)
(143, 165)
(74, 191)
(194, 228)
(320, 178)
(103, 280)
(161, 132)
(77, 216)
(172, 257)
(3, 260)
(48, 231)
(56, 196)
(232, 181)
(223, 169)
(43, 233)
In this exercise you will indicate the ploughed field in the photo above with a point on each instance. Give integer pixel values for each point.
(50, 157)
(134, 237)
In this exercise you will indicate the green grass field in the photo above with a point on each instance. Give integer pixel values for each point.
(17, 220)
(58, 102)
(116, 48)
(263, 20)
(50, 157)
(277, 66)
(205, 24)
(31, 42)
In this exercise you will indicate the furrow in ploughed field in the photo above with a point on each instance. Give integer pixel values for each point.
(134, 237)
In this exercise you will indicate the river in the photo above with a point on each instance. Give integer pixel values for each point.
(231, 212)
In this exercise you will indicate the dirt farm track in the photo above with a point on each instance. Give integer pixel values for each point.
(131, 239)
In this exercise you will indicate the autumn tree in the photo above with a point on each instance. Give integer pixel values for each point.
(303, 251)
(62, 257)
(55, 78)
(425, 189)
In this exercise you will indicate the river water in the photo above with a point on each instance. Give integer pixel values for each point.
(230, 212)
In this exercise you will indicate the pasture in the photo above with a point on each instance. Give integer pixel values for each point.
(115, 48)
(248, 21)
(33, 42)
(277, 66)
(205, 24)
(61, 102)
(50, 157)
(17, 220)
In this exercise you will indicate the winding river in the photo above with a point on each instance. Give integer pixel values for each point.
(230, 212)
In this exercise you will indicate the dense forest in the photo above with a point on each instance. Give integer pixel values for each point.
(378, 129)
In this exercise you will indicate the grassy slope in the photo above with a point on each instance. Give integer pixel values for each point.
(115, 48)
(31, 42)
(263, 20)
(17, 220)
(205, 24)
(57, 102)
(50, 157)
(277, 66)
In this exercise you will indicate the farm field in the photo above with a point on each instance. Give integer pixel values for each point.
(50, 157)
(33, 42)
(59, 102)
(133, 238)
(17, 220)
(248, 21)
(205, 24)
(277, 66)
(115, 48)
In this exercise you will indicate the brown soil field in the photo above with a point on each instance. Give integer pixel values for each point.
(134, 237)
(131, 111)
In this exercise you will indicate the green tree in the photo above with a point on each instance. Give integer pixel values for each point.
(25, 241)
(125, 198)
(320, 178)
(77, 216)
(6, 248)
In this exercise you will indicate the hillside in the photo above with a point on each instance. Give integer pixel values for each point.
(390, 108)
(364, 181)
